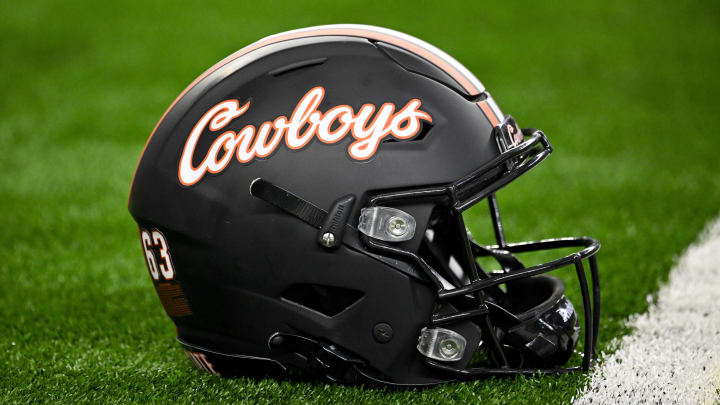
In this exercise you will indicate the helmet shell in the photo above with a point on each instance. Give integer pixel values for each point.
(238, 258)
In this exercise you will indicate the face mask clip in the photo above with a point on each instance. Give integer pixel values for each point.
(387, 224)
(441, 344)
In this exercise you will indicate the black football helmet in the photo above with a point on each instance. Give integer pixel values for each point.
(300, 208)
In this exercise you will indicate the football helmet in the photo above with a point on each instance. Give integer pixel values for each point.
(300, 208)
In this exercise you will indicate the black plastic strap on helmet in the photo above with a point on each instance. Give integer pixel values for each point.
(336, 221)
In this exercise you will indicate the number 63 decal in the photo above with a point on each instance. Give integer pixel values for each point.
(154, 240)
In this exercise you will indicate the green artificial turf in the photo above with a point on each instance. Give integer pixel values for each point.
(626, 91)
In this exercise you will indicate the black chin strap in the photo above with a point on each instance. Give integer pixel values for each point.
(288, 202)
(335, 222)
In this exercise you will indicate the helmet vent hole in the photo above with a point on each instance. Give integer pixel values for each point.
(325, 299)
(424, 129)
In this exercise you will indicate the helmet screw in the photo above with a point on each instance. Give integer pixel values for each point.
(328, 239)
(448, 347)
(397, 226)
(382, 332)
(277, 341)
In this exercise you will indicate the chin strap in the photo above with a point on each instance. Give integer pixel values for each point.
(288, 202)
(333, 226)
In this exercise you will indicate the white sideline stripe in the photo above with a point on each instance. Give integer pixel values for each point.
(673, 354)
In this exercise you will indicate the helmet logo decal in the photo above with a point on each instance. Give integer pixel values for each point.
(368, 126)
